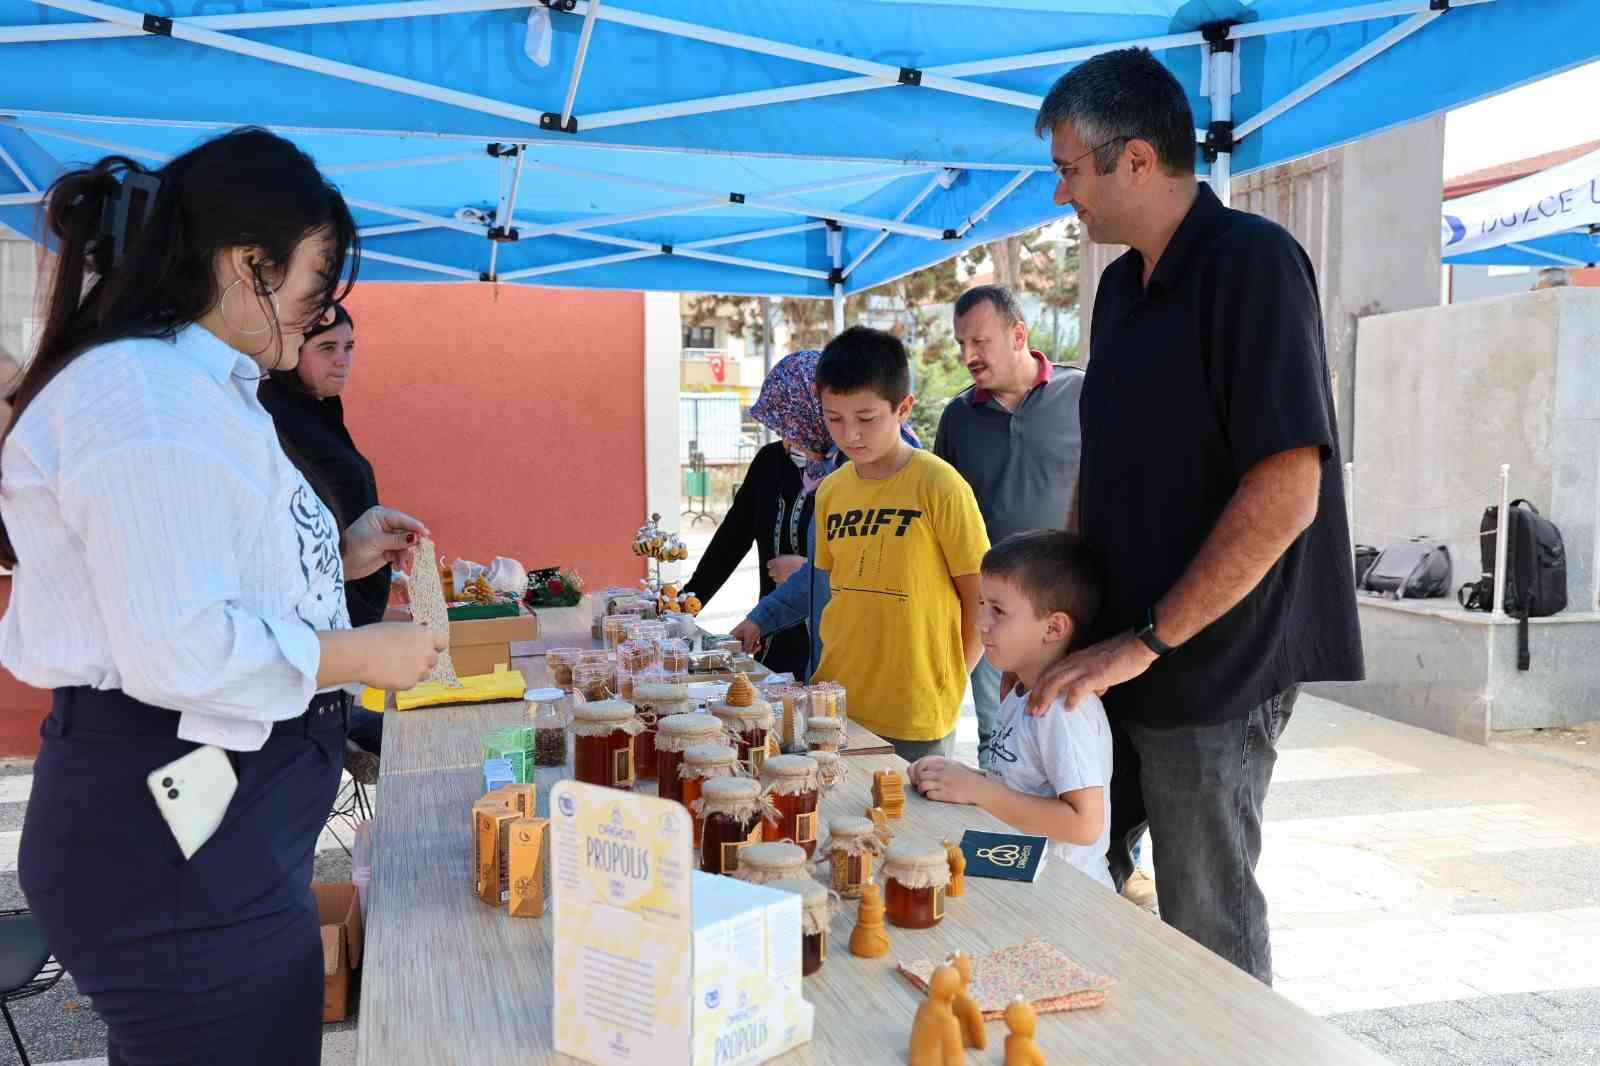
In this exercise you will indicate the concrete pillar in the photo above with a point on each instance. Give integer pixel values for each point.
(1367, 215)
(19, 270)
(663, 339)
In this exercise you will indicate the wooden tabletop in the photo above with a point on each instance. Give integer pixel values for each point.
(449, 980)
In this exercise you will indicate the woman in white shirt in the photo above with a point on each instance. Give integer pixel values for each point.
(179, 584)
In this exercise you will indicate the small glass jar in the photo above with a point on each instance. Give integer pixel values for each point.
(852, 844)
(635, 657)
(651, 633)
(548, 713)
(816, 912)
(675, 656)
(594, 681)
(730, 821)
(770, 861)
(825, 734)
(830, 769)
(751, 728)
(701, 763)
(655, 696)
(559, 663)
(602, 743)
(675, 735)
(745, 664)
(915, 874)
(614, 629)
(710, 662)
(792, 782)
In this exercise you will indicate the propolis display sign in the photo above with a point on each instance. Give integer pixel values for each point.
(656, 962)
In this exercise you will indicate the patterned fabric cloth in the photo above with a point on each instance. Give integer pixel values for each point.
(789, 407)
(1035, 971)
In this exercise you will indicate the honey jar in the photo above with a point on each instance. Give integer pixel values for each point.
(675, 734)
(701, 763)
(830, 768)
(655, 696)
(602, 743)
(675, 656)
(826, 699)
(852, 844)
(816, 912)
(792, 783)
(596, 680)
(771, 861)
(915, 874)
(614, 628)
(730, 811)
(825, 734)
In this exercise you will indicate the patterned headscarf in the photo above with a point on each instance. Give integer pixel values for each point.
(788, 406)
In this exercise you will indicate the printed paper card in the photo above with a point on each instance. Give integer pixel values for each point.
(623, 927)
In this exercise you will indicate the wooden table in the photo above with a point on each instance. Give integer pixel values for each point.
(449, 980)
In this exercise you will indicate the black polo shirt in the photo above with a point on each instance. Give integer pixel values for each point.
(1216, 366)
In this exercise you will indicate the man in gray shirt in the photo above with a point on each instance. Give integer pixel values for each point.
(1014, 436)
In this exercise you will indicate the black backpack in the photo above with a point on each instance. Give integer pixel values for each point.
(1412, 570)
(1536, 569)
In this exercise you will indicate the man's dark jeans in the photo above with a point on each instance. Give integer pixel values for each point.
(1200, 790)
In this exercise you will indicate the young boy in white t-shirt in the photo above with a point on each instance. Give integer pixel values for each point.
(1048, 775)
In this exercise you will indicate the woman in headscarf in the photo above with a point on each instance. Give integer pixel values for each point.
(773, 505)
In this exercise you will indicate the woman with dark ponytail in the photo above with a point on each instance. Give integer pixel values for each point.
(179, 585)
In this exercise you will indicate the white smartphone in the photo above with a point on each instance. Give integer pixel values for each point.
(193, 794)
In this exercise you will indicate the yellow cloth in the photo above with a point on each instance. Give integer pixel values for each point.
(503, 684)
(891, 633)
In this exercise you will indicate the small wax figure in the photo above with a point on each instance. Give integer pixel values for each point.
(869, 940)
(958, 870)
(973, 1034)
(1020, 1048)
(935, 1034)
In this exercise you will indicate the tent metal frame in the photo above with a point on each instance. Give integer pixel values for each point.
(1220, 78)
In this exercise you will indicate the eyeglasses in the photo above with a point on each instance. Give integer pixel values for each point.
(1064, 171)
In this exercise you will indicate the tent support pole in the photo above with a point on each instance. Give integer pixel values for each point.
(994, 201)
(1219, 142)
(945, 178)
(577, 63)
(11, 165)
(419, 264)
(836, 257)
(20, 199)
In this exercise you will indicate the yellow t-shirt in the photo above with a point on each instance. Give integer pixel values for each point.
(891, 633)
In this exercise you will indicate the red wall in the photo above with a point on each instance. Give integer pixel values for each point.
(510, 421)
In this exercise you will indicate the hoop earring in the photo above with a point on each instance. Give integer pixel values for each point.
(222, 309)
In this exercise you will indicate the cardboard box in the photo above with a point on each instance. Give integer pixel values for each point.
(529, 846)
(479, 645)
(492, 852)
(339, 914)
(525, 798)
(707, 967)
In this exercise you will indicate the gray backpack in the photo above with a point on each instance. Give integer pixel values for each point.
(1416, 569)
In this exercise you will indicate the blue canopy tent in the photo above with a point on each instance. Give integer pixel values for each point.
(1547, 219)
(794, 147)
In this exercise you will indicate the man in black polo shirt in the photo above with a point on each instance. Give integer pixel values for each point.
(1210, 485)
(1014, 436)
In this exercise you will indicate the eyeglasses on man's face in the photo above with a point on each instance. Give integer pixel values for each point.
(1068, 171)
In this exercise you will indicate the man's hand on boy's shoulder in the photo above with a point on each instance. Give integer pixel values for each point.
(1090, 672)
(944, 779)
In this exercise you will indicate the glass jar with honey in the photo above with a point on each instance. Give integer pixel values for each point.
(675, 735)
(853, 843)
(675, 656)
(793, 783)
(655, 696)
(826, 699)
(770, 861)
(594, 681)
(750, 730)
(825, 734)
(602, 743)
(614, 629)
(915, 874)
(701, 763)
(730, 810)
(816, 912)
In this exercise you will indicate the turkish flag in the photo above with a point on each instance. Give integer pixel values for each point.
(719, 366)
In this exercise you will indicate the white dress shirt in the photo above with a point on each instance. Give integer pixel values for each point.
(166, 545)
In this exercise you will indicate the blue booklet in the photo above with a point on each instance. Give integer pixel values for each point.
(1004, 856)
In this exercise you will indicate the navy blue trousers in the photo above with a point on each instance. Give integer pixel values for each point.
(216, 960)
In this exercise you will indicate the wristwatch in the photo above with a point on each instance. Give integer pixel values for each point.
(1147, 633)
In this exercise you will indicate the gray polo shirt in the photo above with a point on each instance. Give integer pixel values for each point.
(1023, 464)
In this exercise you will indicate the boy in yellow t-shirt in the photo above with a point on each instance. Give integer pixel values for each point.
(902, 540)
